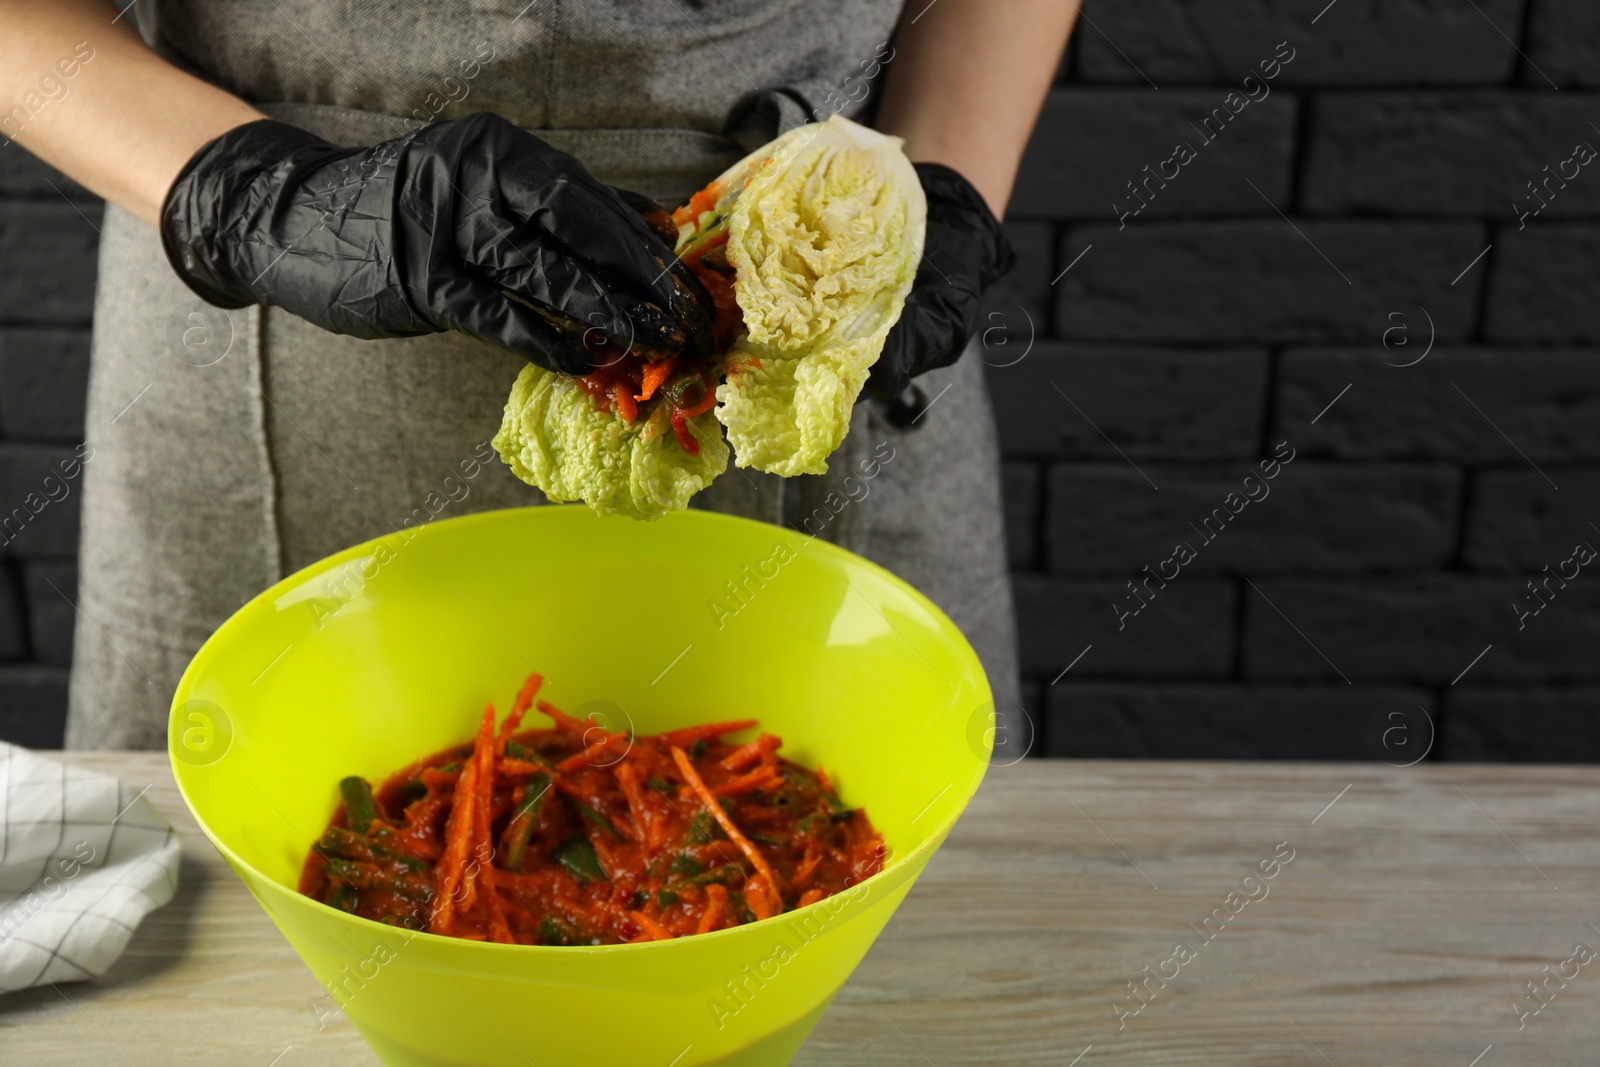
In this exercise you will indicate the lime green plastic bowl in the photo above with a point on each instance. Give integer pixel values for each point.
(388, 651)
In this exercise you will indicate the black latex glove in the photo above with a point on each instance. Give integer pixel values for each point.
(963, 255)
(431, 232)
(656, 217)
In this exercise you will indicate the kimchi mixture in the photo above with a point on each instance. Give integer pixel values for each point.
(632, 381)
(579, 835)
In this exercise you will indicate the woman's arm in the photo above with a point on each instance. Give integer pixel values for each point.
(967, 81)
(80, 90)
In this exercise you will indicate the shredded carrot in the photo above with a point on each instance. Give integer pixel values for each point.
(568, 787)
(694, 254)
(701, 202)
(680, 430)
(582, 727)
(756, 895)
(602, 849)
(417, 838)
(563, 720)
(488, 747)
(576, 912)
(477, 805)
(523, 921)
(499, 929)
(586, 757)
(628, 778)
(519, 708)
(656, 931)
(744, 755)
(647, 759)
(656, 373)
(530, 689)
(509, 765)
(690, 734)
(802, 873)
(705, 404)
(716, 900)
(746, 783)
(622, 397)
(458, 835)
(810, 896)
(757, 860)
(484, 751)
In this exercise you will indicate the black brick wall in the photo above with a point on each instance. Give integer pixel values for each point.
(1171, 346)
(48, 244)
(1147, 354)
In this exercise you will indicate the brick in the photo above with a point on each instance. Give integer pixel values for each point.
(33, 706)
(1522, 725)
(1106, 518)
(24, 175)
(1397, 42)
(1150, 402)
(1517, 521)
(1542, 284)
(1423, 630)
(1563, 44)
(1089, 144)
(44, 381)
(47, 262)
(1261, 281)
(51, 615)
(1130, 721)
(1452, 154)
(31, 484)
(1020, 488)
(13, 626)
(1547, 401)
(1185, 632)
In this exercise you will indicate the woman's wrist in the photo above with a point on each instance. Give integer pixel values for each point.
(967, 82)
(92, 100)
(990, 175)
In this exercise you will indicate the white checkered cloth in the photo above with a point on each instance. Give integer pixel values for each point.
(83, 858)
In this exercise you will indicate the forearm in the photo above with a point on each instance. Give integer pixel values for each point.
(967, 81)
(123, 122)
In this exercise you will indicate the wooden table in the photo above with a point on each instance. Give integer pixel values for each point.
(1416, 906)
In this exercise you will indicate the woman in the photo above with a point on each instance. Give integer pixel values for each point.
(289, 180)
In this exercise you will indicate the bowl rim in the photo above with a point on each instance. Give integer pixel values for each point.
(299, 578)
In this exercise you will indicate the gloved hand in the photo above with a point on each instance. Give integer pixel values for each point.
(471, 225)
(962, 256)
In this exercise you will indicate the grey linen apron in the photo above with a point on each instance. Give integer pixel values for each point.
(233, 448)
